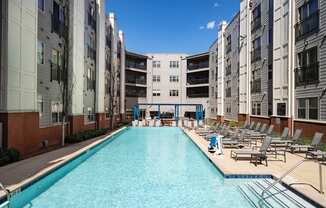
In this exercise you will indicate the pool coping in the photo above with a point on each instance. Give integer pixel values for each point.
(254, 176)
(21, 186)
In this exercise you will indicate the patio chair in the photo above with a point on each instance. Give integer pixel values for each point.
(234, 141)
(285, 140)
(312, 147)
(318, 154)
(255, 155)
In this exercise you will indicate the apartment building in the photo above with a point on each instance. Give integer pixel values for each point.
(136, 81)
(309, 65)
(53, 63)
(231, 71)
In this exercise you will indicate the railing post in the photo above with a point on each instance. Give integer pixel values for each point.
(321, 178)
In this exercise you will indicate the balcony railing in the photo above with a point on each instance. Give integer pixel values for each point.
(307, 26)
(306, 75)
(56, 73)
(228, 70)
(135, 93)
(58, 26)
(228, 48)
(197, 95)
(135, 65)
(228, 92)
(92, 21)
(256, 86)
(91, 53)
(256, 24)
(195, 81)
(201, 65)
(131, 80)
(256, 55)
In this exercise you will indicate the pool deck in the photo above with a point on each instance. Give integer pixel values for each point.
(24, 172)
(306, 173)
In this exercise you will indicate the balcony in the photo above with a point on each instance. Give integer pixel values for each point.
(56, 73)
(200, 65)
(306, 75)
(90, 84)
(58, 26)
(91, 53)
(228, 48)
(197, 81)
(256, 24)
(256, 55)
(228, 70)
(92, 21)
(197, 92)
(256, 86)
(135, 65)
(307, 26)
(228, 92)
(135, 92)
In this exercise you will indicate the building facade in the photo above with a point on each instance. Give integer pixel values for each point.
(53, 72)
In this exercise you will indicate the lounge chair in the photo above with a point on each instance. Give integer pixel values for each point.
(312, 147)
(255, 155)
(234, 141)
(317, 154)
(284, 140)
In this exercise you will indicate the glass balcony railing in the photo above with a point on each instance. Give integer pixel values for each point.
(201, 65)
(141, 81)
(195, 81)
(56, 73)
(58, 26)
(307, 26)
(306, 75)
(136, 65)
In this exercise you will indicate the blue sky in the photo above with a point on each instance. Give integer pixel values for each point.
(175, 26)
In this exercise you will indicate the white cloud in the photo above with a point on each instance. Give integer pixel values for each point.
(216, 4)
(210, 25)
(202, 27)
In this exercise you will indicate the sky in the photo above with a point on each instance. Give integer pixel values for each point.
(171, 26)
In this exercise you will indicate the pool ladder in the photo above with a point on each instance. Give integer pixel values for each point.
(6, 203)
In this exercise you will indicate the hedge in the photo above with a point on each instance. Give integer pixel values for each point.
(82, 136)
(9, 156)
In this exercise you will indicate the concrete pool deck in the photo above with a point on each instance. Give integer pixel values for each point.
(26, 171)
(306, 173)
(16, 175)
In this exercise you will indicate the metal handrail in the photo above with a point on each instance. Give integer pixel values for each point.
(5, 190)
(290, 171)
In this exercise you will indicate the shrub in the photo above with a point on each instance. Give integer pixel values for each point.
(82, 136)
(9, 156)
(233, 123)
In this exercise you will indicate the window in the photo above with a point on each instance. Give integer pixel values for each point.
(174, 93)
(56, 57)
(307, 71)
(228, 108)
(90, 115)
(40, 105)
(256, 18)
(174, 78)
(256, 108)
(90, 79)
(256, 50)
(40, 52)
(228, 44)
(174, 64)
(156, 64)
(156, 78)
(308, 19)
(56, 63)
(41, 5)
(281, 109)
(56, 112)
(307, 108)
(156, 93)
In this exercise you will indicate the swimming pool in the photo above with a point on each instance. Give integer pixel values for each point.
(141, 167)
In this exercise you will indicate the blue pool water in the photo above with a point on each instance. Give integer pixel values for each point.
(142, 167)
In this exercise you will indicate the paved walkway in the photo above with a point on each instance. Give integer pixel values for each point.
(307, 173)
(23, 172)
